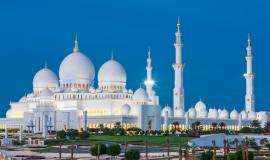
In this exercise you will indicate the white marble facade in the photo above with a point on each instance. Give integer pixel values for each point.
(72, 101)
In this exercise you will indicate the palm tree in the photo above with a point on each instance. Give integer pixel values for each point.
(236, 141)
(175, 124)
(264, 141)
(214, 125)
(117, 124)
(197, 125)
(255, 124)
(222, 125)
(267, 126)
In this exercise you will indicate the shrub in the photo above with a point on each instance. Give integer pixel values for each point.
(245, 130)
(72, 133)
(94, 149)
(114, 150)
(61, 134)
(207, 155)
(83, 134)
(51, 141)
(132, 154)
(238, 155)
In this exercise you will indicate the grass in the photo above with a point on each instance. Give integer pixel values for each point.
(157, 142)
(140, 139)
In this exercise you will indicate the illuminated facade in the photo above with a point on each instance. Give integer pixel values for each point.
(72, 101)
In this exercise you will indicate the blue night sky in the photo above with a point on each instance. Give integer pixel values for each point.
(214, 38)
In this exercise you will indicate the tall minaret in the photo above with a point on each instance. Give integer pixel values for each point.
(149, 82)
(249, 76)
(178, 91)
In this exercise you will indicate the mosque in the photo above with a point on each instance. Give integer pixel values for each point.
(72, 101)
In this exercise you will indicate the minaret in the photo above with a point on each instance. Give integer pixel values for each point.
(249, 76)
(149, 82)
(178, 91)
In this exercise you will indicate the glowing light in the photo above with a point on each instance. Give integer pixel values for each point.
(149, 82)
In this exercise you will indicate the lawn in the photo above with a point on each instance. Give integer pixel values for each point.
(140, 139)
(156, 143)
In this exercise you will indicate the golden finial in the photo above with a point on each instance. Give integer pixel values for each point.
(248, 39)
(45, 64)
(112, 56)
(178, 24)
(76, 46)
(149, 52)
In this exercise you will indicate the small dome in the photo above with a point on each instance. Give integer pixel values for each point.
(252, 115)
(224, 114)
(76, 68)
(192, 113)
(140, 95)
(213, 114)
(30, 95)
(244, 115)
(46, 93)
(45, 78)
(23, 99)
(112, 72)
(130, 91)
(202, 114)
(200, 106)
(126, 109)
(234, 114)
(167, 109)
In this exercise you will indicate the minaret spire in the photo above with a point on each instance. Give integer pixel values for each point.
(178, 66)
(178, 24)
(249, 76)
(149, 82)
(45, 64)
(76, 45)
(112, 55)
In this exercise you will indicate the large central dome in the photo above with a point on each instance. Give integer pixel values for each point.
(76, 69)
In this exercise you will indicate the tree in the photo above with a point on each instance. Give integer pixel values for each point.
(207, 155)
(83, 134)
(197, 125)
(253, 144)
(268, 146)
(236, 141)
(117, 124)
(61, 134)
(175, 125)
(255, 124)
(222, 125)
(214, 125)
(264, 141)
(72, 133)
(113, 150)
(98, 149)
(132, 154)
(267, 126)
(245, 130)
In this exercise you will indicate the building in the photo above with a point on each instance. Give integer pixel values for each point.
(72, 101)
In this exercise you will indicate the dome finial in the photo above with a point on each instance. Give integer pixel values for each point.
(149, 52)
(45, 64)
(249, 39)
(178, 24)
(76, 45)
(112, 56)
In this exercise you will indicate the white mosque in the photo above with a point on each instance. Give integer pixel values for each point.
(72, 101)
